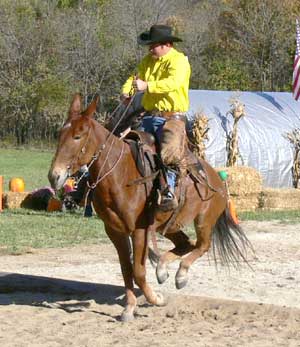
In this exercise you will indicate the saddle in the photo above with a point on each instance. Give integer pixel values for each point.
(143, 150)
(152, 169)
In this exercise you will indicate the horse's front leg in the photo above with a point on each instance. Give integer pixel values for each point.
(140, 250)
(122, 245)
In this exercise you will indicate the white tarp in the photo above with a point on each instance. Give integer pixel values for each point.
(269, 115)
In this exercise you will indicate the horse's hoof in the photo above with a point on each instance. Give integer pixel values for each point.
(127, 316)
(153, 257)
(160, 300)
(161, 274)
(181, 280)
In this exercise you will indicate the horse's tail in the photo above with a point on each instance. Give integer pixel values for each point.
(230, 241)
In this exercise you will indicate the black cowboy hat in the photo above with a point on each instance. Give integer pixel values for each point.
(157, 34)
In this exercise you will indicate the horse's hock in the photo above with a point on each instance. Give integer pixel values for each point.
(248, 194)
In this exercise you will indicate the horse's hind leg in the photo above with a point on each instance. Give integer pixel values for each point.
(122, 245)
(203, 230)
(140, 249)
(183, 245)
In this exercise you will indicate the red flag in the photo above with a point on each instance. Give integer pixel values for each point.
(296, 69)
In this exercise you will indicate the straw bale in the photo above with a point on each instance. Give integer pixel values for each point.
(280, 199)
(14, 199)
(248, 202)
(242, 180)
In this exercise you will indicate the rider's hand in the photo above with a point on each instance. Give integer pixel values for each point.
(124, 97)
(139, 85)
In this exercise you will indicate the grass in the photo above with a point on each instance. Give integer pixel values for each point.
(31, 165)
(285, 216)
(23, 229)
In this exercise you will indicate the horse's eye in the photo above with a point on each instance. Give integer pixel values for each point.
(76, 137)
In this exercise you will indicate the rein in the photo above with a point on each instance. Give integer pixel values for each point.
(99, 177)
(98, 153)
(101, 148)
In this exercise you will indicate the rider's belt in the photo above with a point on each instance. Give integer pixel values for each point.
(169, 114)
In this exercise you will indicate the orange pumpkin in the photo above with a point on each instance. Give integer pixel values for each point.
(17, 185)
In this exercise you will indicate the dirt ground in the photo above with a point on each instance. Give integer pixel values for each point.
(242, 308)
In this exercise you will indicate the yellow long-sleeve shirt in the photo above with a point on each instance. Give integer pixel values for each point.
(168, 82)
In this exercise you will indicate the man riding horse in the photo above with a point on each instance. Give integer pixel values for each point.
(163, 76)
(123, 206)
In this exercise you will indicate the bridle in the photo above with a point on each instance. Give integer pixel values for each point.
(99, 151)
(80, 152)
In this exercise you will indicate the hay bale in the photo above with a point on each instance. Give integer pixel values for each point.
(14, 199)
(280, 199)
(242, 180)
(248, 202)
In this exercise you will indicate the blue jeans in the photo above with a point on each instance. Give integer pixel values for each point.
(154, 126)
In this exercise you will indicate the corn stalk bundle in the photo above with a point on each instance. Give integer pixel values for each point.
(237, 111)
(294, 138)
(200, 134)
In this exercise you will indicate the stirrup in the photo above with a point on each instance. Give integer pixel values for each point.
(166, 201)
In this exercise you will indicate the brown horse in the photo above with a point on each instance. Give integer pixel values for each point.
(122, 206)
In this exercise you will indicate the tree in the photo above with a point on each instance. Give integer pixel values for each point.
(256, 36)
(28, 86)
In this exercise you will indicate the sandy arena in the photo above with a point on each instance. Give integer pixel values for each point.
(242, 308)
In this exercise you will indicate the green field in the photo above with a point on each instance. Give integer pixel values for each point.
(23, 229)
(31, 165)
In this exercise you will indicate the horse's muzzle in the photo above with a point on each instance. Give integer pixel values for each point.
(57, 178)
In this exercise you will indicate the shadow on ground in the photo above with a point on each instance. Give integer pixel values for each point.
(23, 289)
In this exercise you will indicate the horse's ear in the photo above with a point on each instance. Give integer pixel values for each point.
(75, 107)
(91, 108)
